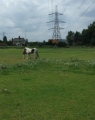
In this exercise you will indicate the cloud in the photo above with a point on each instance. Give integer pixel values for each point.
(18, 16)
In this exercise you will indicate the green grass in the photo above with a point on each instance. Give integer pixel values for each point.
(58, 86)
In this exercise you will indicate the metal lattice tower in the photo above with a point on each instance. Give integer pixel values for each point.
(56, 31)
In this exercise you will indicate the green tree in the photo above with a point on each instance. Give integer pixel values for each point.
(92, 41)
(85, 38)
(10, 43)
(88, 34)
(62, 44)
(1, 41)
(4, 39)
(91, 30)
(77, 37)
(70, 37)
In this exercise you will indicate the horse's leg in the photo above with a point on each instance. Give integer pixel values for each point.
(24, 53)
(29, 56)
(36, 54)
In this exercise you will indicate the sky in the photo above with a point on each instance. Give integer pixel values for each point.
(29, 18)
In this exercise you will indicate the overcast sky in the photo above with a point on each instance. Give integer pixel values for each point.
(28, 18)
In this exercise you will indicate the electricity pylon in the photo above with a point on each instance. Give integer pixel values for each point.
(56, 32)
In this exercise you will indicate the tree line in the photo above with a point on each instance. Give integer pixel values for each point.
(86, 37)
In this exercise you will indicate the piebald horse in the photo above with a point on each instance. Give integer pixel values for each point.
(29, 51)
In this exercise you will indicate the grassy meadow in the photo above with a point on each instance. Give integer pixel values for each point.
(60, 85)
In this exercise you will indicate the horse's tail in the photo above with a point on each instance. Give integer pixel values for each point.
(37, 53)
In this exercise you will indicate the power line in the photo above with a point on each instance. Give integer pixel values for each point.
(82, 14)
(66, 6)
(76, 10)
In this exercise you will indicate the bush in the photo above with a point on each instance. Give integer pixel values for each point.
(62, 44)
(79, 43)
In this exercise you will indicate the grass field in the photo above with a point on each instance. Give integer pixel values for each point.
(60, 85)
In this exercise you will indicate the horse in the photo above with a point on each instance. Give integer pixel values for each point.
(29, 51)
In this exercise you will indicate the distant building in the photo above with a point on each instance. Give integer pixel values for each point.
(64, 40)
(57, 40)
(53, 41)
(19, 41)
